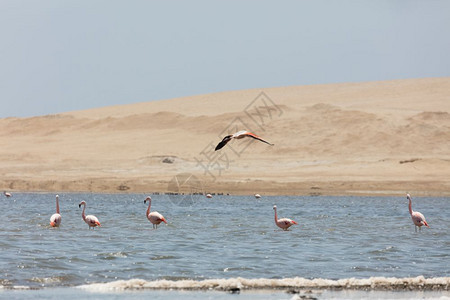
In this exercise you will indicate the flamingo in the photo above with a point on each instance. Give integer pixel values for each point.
(91, 220)
(154, 217)
(209, 196)
(417, 218)
(283, 223)
(257, 196)
(7, 195)
(55, 219)
(239, 135)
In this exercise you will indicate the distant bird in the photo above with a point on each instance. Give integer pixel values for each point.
(257, 196)
(91, 220)
(55, 219)
(208, 196)
(417, 218)
(7, 194)
(239, 135)
(154, 217)
(283, 223)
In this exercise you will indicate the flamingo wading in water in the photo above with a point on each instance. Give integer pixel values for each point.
(283, 223)
(417, 218)
(154, 217)
(91, 220)
(7, 195)
(239, 135)
(55, 219)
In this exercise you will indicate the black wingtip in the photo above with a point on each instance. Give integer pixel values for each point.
(219, 146)
(223, 142)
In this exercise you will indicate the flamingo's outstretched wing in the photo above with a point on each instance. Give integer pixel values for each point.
(223, 142)
(257, 138)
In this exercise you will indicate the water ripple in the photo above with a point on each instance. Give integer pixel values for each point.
(161, 257)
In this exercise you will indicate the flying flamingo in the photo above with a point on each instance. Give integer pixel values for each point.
(417, 218)
(239, 135)
(7, 195)
(283, 223)
(91, 220)
(154, 217)
(55, 219)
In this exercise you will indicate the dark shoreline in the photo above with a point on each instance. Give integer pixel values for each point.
(265, 188)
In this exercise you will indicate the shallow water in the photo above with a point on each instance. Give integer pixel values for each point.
(220, 238)
(75, 294)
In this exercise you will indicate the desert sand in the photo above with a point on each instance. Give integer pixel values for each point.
(373, 138)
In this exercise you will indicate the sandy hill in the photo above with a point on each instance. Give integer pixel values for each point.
(357, 138)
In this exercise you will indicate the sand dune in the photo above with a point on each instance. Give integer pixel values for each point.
(357, 138)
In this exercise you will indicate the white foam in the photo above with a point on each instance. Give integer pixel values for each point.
(373, 283)
(21, 287)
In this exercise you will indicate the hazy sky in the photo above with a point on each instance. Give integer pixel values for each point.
(63, 55)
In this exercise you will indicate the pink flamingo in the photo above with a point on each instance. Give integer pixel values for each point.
(283, 223)
(55, 219)
(154, 217)
(91, 220)
(7, 195)
(239, 135)
(417, 218)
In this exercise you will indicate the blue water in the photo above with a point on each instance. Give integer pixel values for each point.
(222, 237)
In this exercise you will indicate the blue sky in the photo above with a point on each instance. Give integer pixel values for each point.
(58, 56)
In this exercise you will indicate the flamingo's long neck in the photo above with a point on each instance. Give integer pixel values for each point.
(149, 205)
(410, 207)
(276, 217)
(83, 214)
(57, 205)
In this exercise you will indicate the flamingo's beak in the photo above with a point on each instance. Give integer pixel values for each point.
(79, 205)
